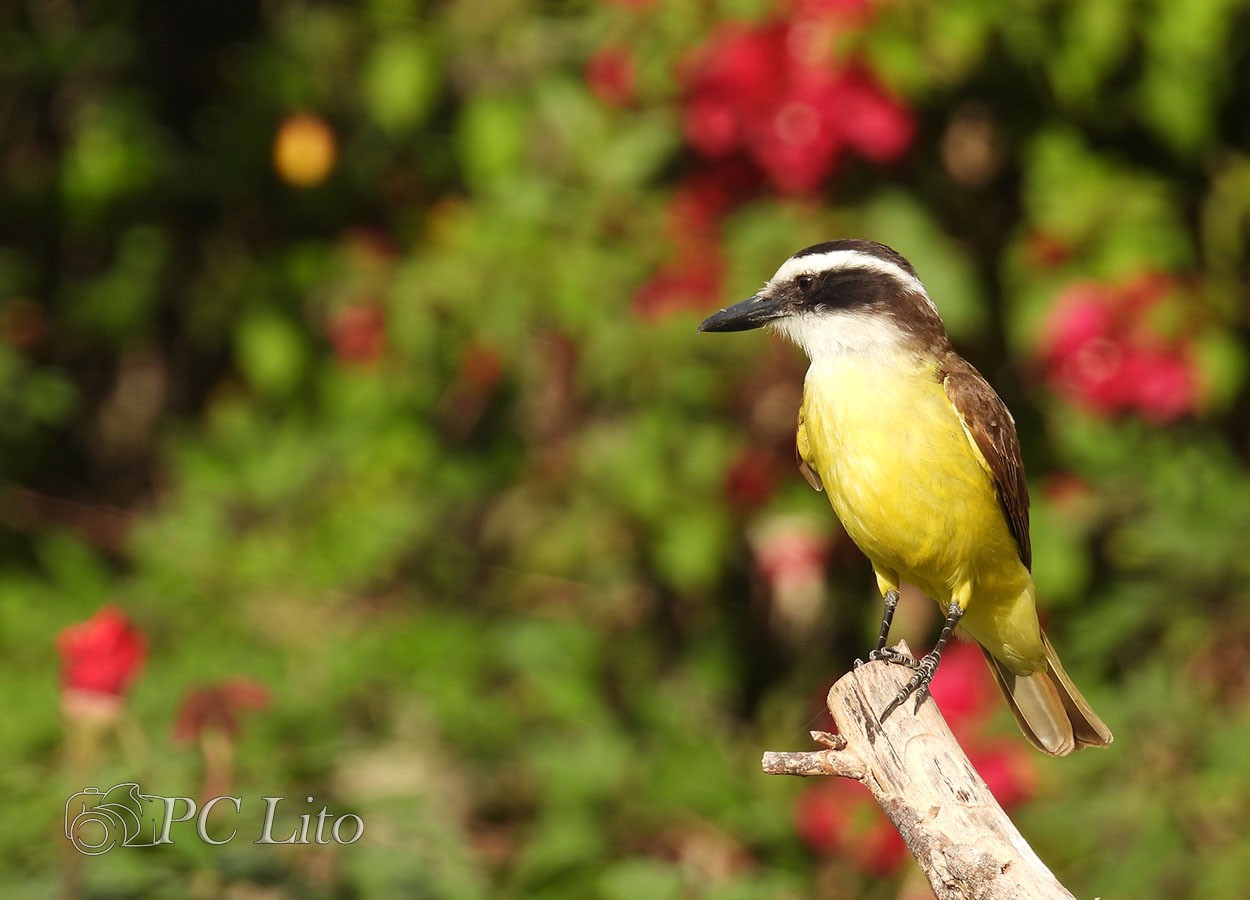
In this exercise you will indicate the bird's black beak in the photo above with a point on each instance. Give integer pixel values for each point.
(750, 313)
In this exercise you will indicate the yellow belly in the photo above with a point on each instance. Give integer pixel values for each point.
(913, 494)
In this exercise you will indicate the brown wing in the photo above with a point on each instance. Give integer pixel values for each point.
(803, 450)
(992, 431)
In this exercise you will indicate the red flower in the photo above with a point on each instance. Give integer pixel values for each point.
(1101, 351)
(703, 200)
(772, 92)
(732, 84)
(692, 225)
(217, 707)
(963, 689)
(358, 333)
(689, 283)
(820, 819)
(1007, 770)
(750, 479)
(611, 78)
(100, 658)
(800, 145)
(839, 816)
(877, 125)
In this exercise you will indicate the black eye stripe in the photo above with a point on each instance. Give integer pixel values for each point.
(848, 287)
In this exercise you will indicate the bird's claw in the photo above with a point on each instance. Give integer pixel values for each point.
(918, 684)
(890, 655)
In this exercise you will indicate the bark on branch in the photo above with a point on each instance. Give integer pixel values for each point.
(919, 775)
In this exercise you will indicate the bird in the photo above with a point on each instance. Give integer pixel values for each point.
(920, 460)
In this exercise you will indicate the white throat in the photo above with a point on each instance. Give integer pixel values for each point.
(827, 335)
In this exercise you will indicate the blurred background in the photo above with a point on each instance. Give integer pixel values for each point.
(356, 442)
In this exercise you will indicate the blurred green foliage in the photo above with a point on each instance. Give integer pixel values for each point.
(398, 446)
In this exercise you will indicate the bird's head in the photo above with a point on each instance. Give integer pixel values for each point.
(846, 296)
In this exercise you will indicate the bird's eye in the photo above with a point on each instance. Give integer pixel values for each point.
(804, 283)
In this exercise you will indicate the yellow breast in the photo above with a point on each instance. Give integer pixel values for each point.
(904, 479)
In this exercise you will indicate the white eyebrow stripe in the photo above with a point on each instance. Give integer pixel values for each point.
(816, 263)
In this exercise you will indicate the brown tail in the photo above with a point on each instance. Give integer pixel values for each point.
(1049, 709)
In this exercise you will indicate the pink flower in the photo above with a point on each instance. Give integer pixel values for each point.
(1165, 385)
(1101, 350)
(100, 659)
(791, 553)
(1083, 314)
(611, 78)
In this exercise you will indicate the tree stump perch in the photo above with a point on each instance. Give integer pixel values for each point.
(921, 778)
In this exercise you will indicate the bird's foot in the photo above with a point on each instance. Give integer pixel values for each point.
(926, 668)
(891, 655)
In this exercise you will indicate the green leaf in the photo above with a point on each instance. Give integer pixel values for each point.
(634, 878)
(1096, 38)
(690, 548)
(271, 352)
(400, 81)
(491, 139)
(946, 270)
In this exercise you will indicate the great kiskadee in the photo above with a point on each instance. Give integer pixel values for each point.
(921, 462)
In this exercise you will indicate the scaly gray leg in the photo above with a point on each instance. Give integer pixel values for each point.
(927, 667)
(881, 651)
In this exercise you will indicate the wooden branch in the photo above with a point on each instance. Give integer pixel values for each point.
(919, 775)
